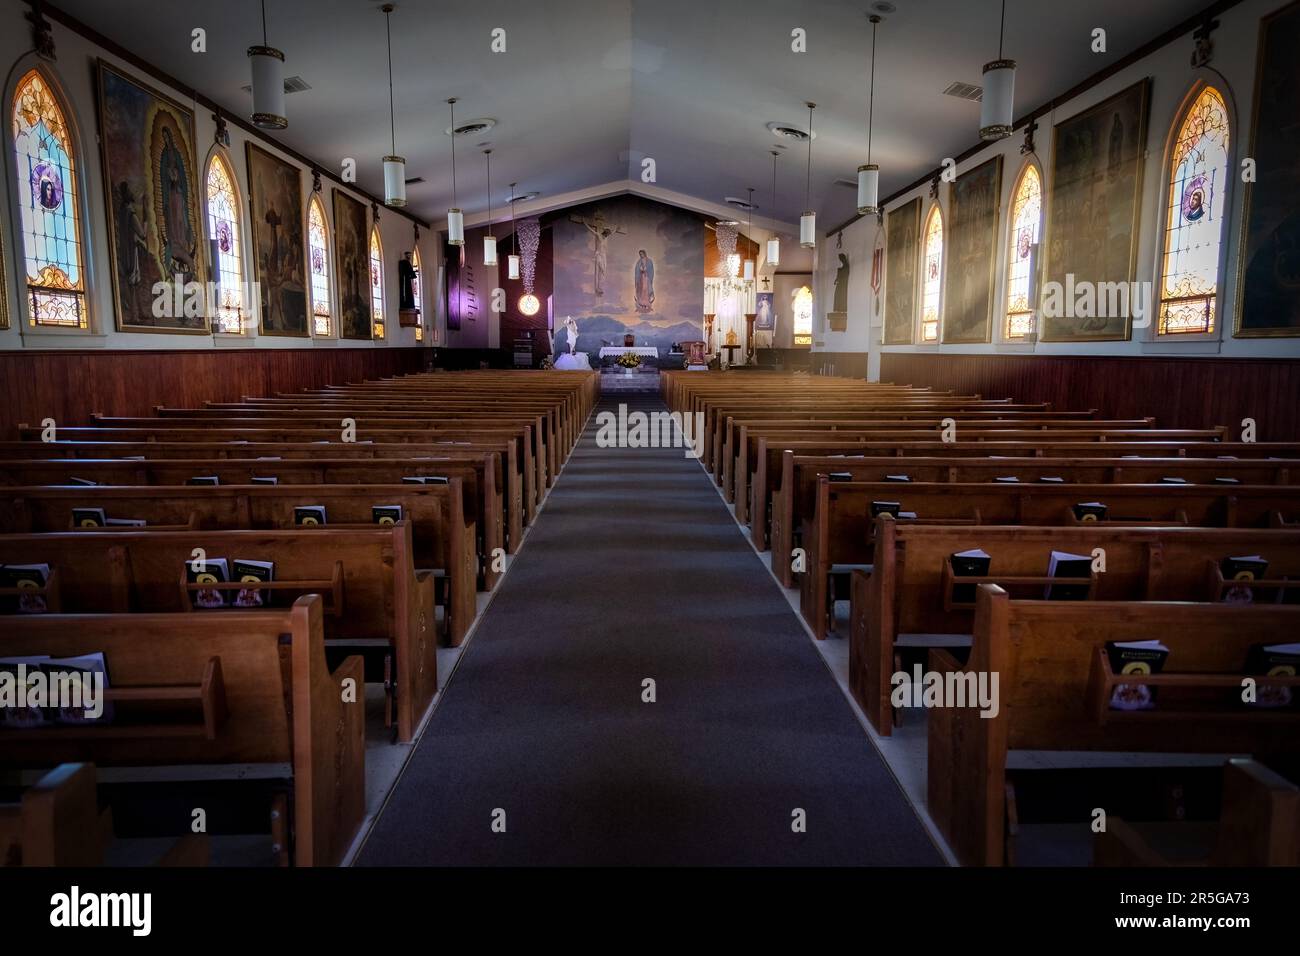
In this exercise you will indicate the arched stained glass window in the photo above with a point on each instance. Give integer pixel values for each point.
(225, 241)
(376, 284)
(45, 161)
(418, 294)
(1026, 224)
(1194, 216)
(803, 314)
(319, 250)
(932, 275)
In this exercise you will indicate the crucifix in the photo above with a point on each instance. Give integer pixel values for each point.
(1028, 145)
(600, 235)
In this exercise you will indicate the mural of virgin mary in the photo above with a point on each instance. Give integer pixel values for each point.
(174, 186)
(643, 273)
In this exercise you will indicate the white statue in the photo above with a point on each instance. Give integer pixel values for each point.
(572, 359)
(572, 328)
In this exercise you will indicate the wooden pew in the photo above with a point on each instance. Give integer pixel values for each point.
(1048, 655)
(1259, 825)
(906, 598)
(841, 527)
(274, 704)
(376, 603)
(795, 496)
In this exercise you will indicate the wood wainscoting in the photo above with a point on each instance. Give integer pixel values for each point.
(69, 385)
(1181, 392)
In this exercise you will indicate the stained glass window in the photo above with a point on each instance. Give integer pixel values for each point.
(1026, 221)
(1194, 218)
(224, 240)
(51, 217)
(803, 310)
(318, 241)
(418, 294)
(931, 279)
(376, 284)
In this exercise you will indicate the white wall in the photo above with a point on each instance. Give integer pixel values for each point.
(1232, 71)
(74, 70)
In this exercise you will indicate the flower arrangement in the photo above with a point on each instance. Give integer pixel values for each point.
(628, 360)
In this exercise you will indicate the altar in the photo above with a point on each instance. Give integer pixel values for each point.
(614, 351)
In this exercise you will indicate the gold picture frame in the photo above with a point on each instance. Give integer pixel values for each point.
(902, 250)
(275, 200)
(972, 255)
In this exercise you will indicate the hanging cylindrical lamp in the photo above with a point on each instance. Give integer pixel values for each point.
(512, 260)
(268, 82)
(394, 165)
(808, 221)
(869, 173)
(749, 260)
(455, 218)
(999, 91)
(774, 244)
(489, 241)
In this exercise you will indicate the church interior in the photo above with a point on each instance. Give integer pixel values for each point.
(556, 435)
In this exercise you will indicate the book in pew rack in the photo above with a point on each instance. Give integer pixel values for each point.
(1135, 657)
(1273, 660)
(212, 571)
(1062, 564)
(968, 564)
(24, 577)
(386, 515)
(1244, 569)
(310, 515)
(247, 571)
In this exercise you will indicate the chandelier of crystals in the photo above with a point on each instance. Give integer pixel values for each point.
(530, 233)
(729, 261)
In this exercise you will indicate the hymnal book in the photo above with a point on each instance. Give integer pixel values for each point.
(427, 480)
(1227, 481)
(1273, 660)
(898, 477)
(1090, 511)
(1052, 479)
(25, 577)
(1173, 481)
(252, 572)
(1008, 480)
(88, 518)
(26, 669)
(85, 482)
(1245, 570)
(968, 564)
(1135, 657)
(88, 665)
(125, 522)
(879, 508)
(309, 515)
(386, 514)
(838, 476)
(204, 480)
(907, 515)
(1065, 565)
(215, 571)
(269, 458)
(271, 480)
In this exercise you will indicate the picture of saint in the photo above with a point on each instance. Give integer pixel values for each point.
(48, 186)
(179, 240)
(1196, 199)
(644, 276)
(600, 236)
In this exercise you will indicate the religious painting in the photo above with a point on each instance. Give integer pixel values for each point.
(279, 221)
(902, 235)
(352, 262)
(972, 254)
(629, 266)
(152, 186)
(1268, 274)
(765, 316)
(1093, 217)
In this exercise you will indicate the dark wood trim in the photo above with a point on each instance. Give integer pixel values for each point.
(89, 33)
(1151, 46)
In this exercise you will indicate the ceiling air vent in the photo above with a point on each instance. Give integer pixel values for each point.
(414, 180)
(965, 91)
(292, 84)
(740, 203)
(472, 127)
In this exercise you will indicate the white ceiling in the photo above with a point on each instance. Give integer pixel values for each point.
(587, 87)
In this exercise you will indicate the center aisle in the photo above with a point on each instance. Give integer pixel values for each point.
(635, 571)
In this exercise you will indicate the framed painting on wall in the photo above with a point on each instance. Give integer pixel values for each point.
(1093, 217)
(352, 258)
(972, 249)
(279, 221)
(1268, 270)
(151, 182)
(902, 235)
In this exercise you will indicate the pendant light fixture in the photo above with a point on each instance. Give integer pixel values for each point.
(268, 82)
(749, 260)
(512, 260)
(489, 241)
(808, 221)
(869, 174)
(999, 91)
(394, 165)
(455, 218)
(774, 244)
